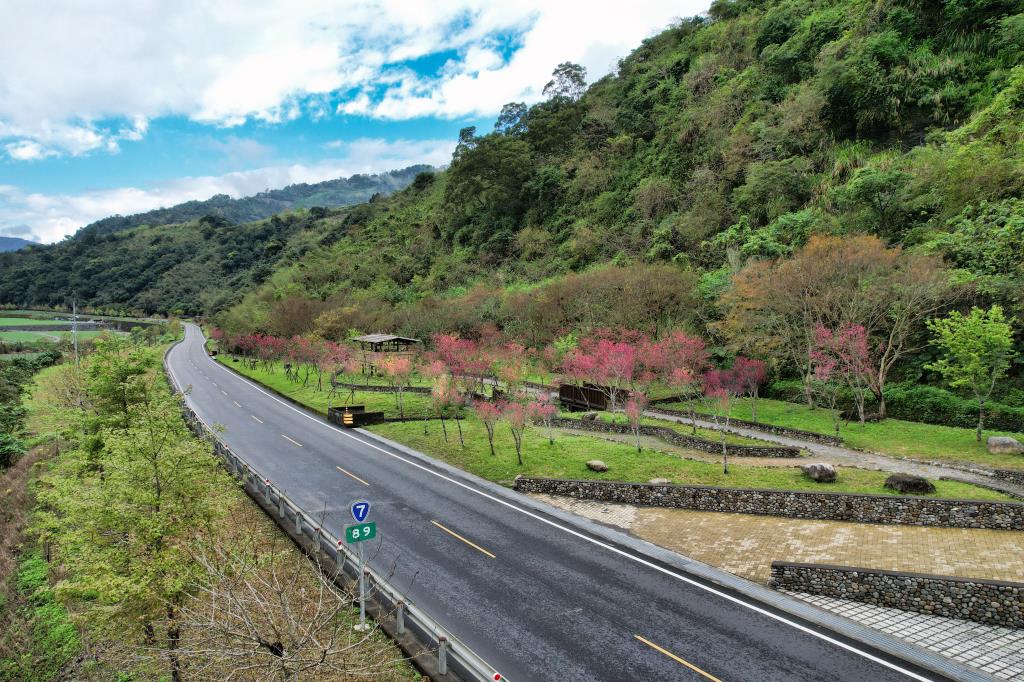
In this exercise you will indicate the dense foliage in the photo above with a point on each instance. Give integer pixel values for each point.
(723, 139)
(15, 374)
(721, 142)
(185, 268)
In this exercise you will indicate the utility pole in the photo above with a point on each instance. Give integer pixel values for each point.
(74, 328)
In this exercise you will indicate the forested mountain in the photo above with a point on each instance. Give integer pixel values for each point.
(330, 193)
(13, 243)
(723, 140)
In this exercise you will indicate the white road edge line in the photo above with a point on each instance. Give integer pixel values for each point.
(581, 536)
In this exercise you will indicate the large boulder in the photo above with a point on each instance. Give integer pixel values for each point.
(909, 483)
(822, 472)
(597, 465)
(1004, 445)
(589, 416)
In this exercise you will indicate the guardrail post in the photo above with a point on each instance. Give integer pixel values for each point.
(298, 522)
(400, 617)
(266, 491)
(442, 655)
(280, 505)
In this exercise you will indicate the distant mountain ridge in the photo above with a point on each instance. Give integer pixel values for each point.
(13, 243)
(330, 193)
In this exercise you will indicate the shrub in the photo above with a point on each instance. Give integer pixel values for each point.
(926, 404)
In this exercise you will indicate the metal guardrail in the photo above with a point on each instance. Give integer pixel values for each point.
(451, 652)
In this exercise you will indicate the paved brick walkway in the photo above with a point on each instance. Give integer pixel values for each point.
(996, 651)
(746, 544)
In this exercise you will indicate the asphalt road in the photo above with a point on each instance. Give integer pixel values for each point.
(535, 598)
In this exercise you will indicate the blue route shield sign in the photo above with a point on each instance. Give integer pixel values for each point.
(360, 510)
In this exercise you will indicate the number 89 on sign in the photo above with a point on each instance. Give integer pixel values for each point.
(361, 532)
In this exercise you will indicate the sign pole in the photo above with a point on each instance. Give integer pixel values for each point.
(362, 590)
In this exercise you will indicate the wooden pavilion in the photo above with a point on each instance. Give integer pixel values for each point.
(374, 346)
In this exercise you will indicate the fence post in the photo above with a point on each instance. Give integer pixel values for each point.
(400, 617)
(442, 655)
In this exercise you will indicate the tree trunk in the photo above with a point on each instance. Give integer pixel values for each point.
(444, 429)
(881, 405)
(981, 418)
(173, 637)
(753, 405)
(458, 423)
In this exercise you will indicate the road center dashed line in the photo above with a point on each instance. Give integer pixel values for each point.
(256, 418)
(456, 535)
(582, 536)
(677, 659)
(349, 473)
(290, 440)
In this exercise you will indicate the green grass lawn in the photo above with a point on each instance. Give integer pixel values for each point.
(685, 429)
(27, 322)
(891, 437)
(416, 405)
(568, 456)
(26, 336)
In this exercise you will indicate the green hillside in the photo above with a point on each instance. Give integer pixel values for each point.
(329, 193)
(722, 140)
(718, 141)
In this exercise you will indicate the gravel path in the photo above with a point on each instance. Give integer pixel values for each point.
(859, 458)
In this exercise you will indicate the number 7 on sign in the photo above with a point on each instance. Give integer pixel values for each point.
(360, 510)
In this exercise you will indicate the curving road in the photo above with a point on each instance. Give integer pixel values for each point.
(537, 598)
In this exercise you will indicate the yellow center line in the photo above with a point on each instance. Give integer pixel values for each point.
(456, 535)
(291, 441)
(675, 658)
(349, 473)
(256, 418)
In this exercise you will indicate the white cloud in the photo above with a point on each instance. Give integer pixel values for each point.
(27, 150)
(77, 79)
(50, 217)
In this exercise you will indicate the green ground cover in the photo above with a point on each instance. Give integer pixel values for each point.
(26, 336)
(706, 434)
(568, 456)
(416, 405)
(27, 321)
(891, 437)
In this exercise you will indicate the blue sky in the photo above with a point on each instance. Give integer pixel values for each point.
(141, 105)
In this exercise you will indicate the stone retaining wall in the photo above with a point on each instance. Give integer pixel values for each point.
(992, 602)
(886, 509)
(1011, 475)
(376, 388)
(674, 437)
(822, 438)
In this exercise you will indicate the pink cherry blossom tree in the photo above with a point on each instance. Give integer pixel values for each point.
(634, 409)
(399, 371)
(848, 350)
(543, 411)
(750, 373)
(514, 413)
(720, 388)
(488, 413)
